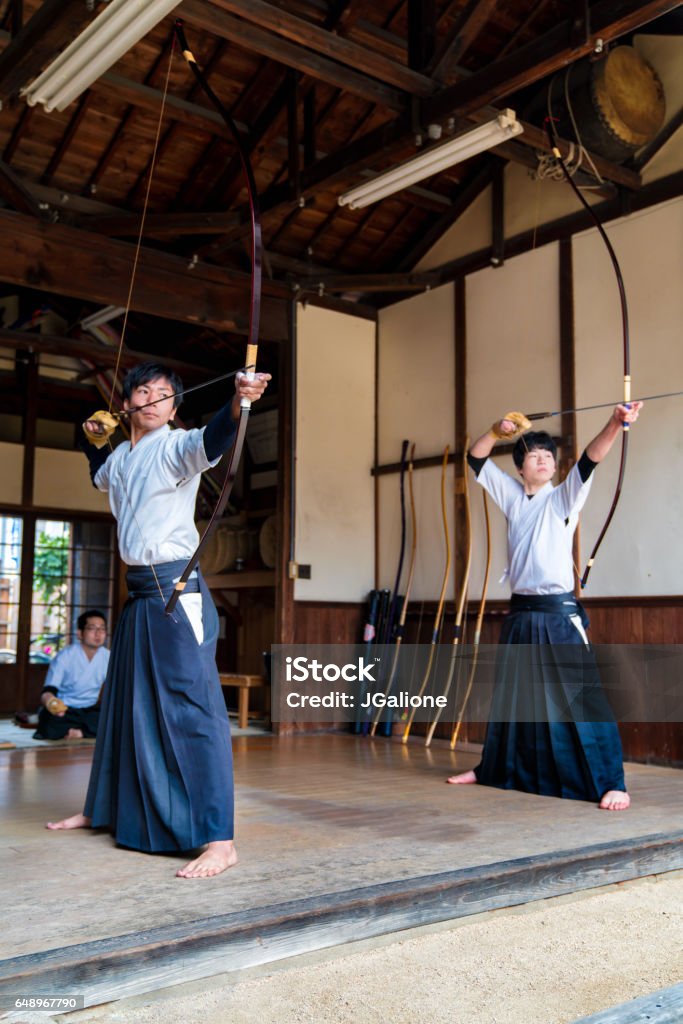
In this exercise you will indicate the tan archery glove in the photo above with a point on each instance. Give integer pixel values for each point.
(107, 425)
(521, 424)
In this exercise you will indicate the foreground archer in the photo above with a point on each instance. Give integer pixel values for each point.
(580, 758)
(161, 778)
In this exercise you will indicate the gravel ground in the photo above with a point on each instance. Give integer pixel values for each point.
(549, 962)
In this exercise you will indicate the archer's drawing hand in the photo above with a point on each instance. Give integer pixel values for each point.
(505, 427)
(93, 427)
(512, 425)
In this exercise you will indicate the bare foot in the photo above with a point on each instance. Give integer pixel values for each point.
(217, 857)
(615, 800)
(75, 821)
(74, 734)
(464, 779)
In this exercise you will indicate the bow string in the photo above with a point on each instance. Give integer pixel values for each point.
(554, 145)
(254, 316)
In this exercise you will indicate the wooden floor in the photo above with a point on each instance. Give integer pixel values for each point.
(340, 837)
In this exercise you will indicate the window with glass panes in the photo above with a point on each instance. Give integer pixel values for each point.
(73, 571)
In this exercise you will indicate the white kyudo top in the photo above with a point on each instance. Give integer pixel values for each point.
(77, 678)
(152, 492)
(540, 529)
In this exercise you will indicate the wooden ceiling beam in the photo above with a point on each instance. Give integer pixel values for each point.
(163, 225)
(478, 180)
(609, 19)
(392, 139)
(170, 135)
(67, 261)
(18, 133)
(312, 37)
(338, 257)
(209, 18)
(176, 109)
(15, 193)
(421, 35)
(465, 30)
(537, 139)
(386, 142)
(231, 176)
(321, 175)
(111, 84)
(523, 27)
(374, 282)
(120, 130)
(67, 138)
(51, 29)
(221, 193)
(103, 355)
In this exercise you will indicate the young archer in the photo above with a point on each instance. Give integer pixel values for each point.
(582, 758)
(161, 779)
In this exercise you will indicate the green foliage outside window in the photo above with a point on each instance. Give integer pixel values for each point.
(50, 580)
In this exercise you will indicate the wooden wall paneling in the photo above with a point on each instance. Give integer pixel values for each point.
(328, 622)
(322, 622)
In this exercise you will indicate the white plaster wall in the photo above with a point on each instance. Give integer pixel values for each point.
(416, 403)
(512, 363)
(11, 463)
(62, 480)
(530, 203)
(642, 553)
(471, 232)
(335, 429)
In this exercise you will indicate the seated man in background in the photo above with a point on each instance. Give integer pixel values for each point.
(70, 698)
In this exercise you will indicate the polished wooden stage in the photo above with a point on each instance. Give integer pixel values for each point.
(340, 838)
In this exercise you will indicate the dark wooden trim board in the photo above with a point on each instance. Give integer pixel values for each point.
(142, 961)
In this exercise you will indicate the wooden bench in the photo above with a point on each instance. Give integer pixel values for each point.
(243, 683)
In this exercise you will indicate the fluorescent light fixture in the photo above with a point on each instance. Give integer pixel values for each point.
(113, 32)
(434, 159)
(102, 316)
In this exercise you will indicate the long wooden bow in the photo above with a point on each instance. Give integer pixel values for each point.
(442, 597)
(554, 145)
(399, 569)
(254, 316)
(400, 630)
(462, 597)
(477, 627)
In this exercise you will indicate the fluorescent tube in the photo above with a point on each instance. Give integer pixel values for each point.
(113, 32)
(102, 316)
(435, 159)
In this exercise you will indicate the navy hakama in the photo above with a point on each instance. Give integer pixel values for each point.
(161, 779)
(55, 727)
(571, 747)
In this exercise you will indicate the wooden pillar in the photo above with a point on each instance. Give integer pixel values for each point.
(293, 162)
(27, 374)
(421, 33)
(461, 539)
(284, 586)
(498, 217)
(309, 127)
(569, 452)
